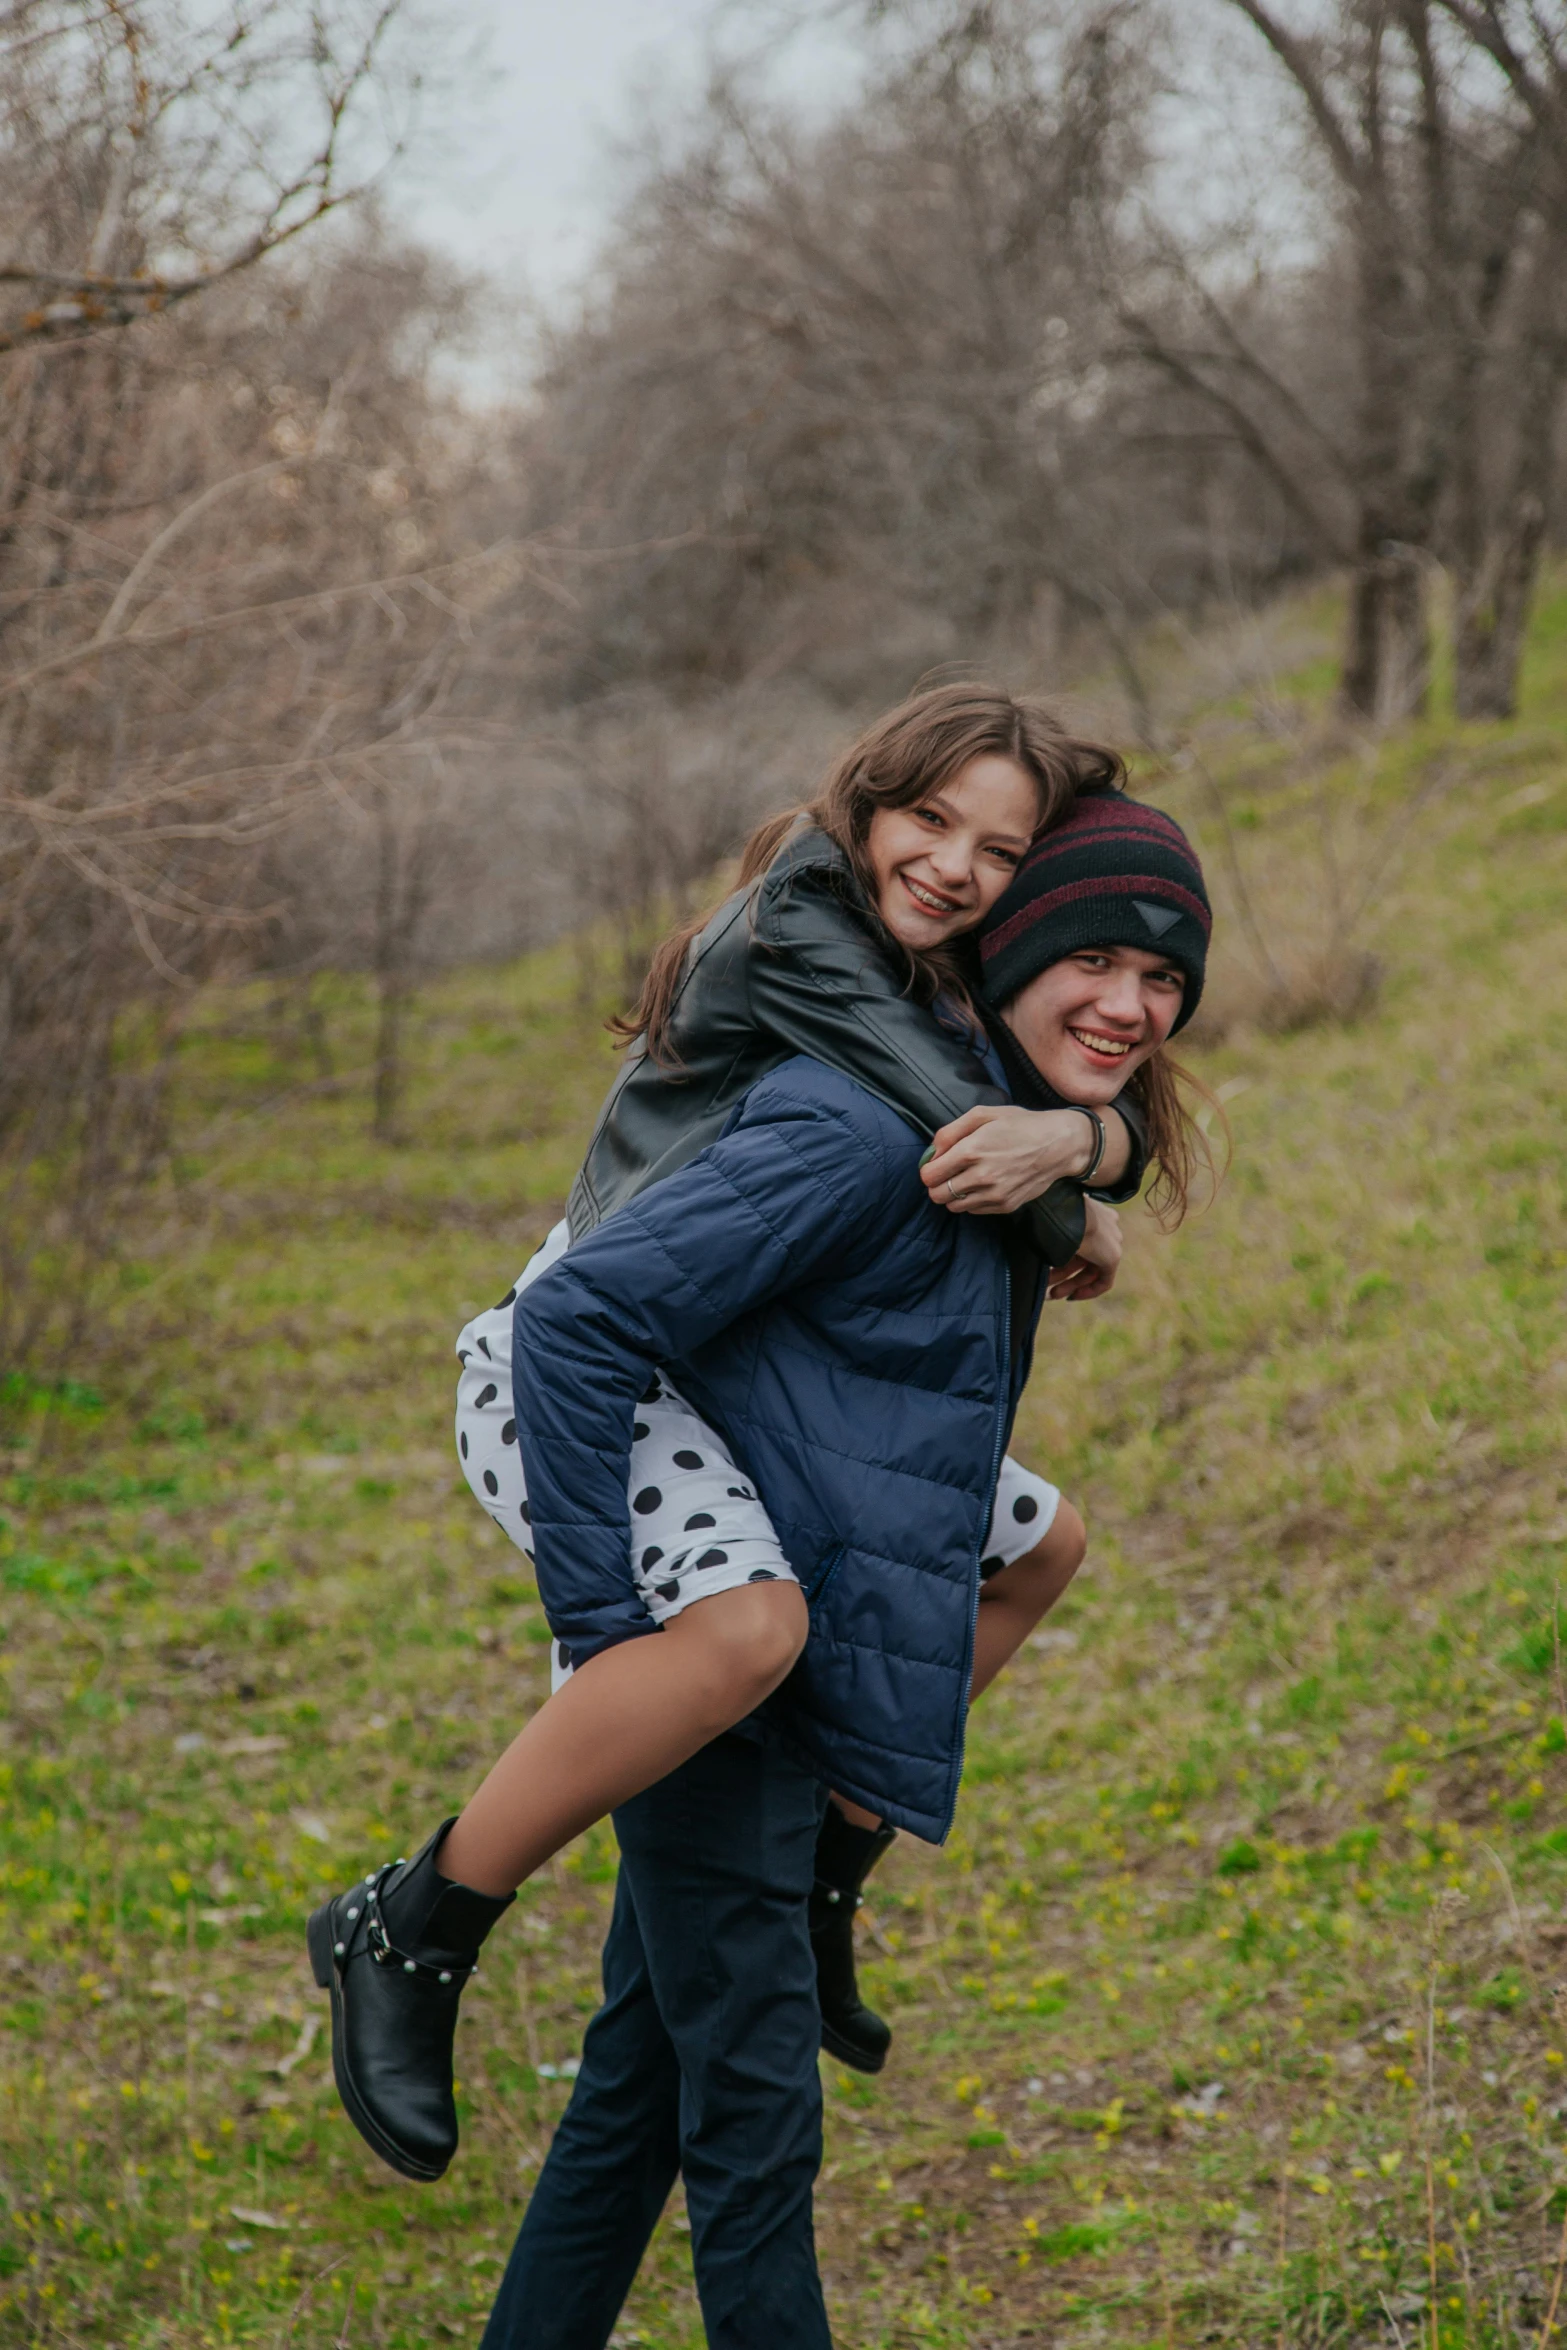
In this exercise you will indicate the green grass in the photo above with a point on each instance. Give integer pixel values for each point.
(1277, 1791)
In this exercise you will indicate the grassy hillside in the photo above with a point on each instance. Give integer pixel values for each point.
(1229, 2012)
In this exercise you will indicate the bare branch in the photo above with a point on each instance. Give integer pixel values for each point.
(1294, 55)
(181, 522)
(1250, 363)
(1149, 345)
(88, 304)
(207, 623)
(78, 304)
(1484, 24)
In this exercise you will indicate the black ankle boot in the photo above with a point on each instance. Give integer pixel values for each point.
(845, 1857)
(395, 1952)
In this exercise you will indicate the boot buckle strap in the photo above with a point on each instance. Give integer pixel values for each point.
(386, 1953)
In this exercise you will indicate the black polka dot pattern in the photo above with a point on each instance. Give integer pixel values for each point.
(684, 1481)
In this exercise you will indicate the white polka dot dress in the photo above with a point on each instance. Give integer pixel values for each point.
(697, 1524)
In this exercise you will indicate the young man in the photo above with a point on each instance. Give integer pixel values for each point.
(862, 1354)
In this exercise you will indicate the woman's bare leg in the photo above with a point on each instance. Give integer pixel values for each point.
(1017, 1597)
(625, 1719)
(1011, 1603)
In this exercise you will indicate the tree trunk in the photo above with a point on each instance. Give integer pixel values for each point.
(313, 1031)
(401, 894)
(393, 994)
(1387, 658)
(413, 833)
(1492, 615)
(1496, 584)
(1387, 652)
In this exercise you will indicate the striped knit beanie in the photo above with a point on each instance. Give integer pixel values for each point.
(1116, 873)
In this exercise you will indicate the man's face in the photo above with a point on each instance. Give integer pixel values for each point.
(1088, 1021)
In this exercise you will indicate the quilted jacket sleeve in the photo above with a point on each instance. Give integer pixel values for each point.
(804, 1170)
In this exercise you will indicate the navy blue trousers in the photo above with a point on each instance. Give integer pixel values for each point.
(701, 2062)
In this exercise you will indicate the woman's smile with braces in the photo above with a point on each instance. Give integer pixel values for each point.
(936, 902)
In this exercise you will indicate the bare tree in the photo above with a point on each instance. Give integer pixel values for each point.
(157, 147)
(1446, 234)
(238, 573)
(637, 801)
(1506, 478)
(857, 384)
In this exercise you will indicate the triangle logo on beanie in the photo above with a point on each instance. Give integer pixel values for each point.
(1158, 918)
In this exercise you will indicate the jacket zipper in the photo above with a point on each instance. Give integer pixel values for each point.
(955, 1760)
(826, 1568)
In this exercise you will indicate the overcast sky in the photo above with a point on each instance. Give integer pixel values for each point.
(514, 173)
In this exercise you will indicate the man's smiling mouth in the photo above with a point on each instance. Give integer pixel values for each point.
(1112, 1048)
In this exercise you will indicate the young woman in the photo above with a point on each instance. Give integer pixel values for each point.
(852, 924)
(935, 809)
(850, 938)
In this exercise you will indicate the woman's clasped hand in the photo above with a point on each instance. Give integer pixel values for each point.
(996, 1158)
(1091, 1273)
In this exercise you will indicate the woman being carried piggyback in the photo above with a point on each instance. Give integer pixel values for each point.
(778, 1373)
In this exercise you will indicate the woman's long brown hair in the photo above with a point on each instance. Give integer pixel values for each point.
(896, 763)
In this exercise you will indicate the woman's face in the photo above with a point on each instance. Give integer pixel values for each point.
(940, 867)
(1088, 1021)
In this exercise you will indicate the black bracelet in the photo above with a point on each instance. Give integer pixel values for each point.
(1098, 1125)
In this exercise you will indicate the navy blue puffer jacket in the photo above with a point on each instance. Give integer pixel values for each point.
(850, 1341)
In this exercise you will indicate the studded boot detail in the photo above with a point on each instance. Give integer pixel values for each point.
(395, 1952)
(845, 1857)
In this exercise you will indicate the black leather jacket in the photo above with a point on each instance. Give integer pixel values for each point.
(791, 965)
